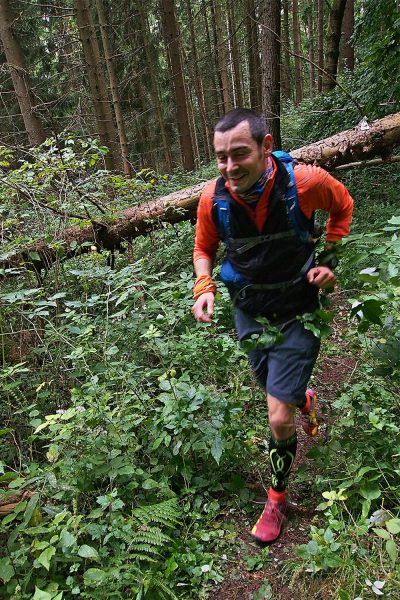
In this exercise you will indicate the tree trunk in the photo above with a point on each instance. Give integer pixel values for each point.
(123, 141)
(19, 76)
(311, 56)
(155, 92)
(286, 85)
(235, 59)
(348, 30)
(212, 92)
(297, 49)
(343, 148)
(351, 145)
(271, 50)
(147, 143)
(320, 19)
(198, 84)
(171, 37)
(98, 88)
(222, 52)
(253, 56)
(332, 51)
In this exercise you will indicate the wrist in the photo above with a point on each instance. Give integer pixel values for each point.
(329, 257)
(204, 284)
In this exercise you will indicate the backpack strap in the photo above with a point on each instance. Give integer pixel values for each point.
(221, 210)
(298, 220)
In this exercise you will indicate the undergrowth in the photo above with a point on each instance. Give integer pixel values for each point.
(132, 430)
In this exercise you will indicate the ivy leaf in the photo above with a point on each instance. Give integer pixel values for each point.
(94, 576)
(67, 539)
(6, 570)
(30, 508)
(370, 490)
(216, 449)
(88, 552)
(41, 595)
(46, 556)
(391, 550)
(382, 533)
(393, 525)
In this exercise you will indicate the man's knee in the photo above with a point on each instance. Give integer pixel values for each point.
(281, 417)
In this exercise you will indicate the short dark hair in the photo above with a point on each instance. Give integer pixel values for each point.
(256, 121)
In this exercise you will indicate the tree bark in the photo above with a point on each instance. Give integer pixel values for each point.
(352, 145)
(253, 57)
(286, 85)
(332, 51)
(310, 22)
(197, 82)
(271, 51)
(155, 91)
(172, 42)
(222, 53)
(348, 30)
(19, 76)
(297, 49)
(123, 141)
(235, 59)
(320, 39)
(212, 92)
(98, 88)
(343, 148)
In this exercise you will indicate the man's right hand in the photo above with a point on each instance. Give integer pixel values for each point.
(203, 308)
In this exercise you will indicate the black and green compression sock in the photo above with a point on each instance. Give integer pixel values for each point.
(281, 456)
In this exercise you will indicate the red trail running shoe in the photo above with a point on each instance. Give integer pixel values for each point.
(269, 525)
(309, 419)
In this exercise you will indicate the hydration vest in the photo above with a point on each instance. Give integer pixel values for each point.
(265, 271)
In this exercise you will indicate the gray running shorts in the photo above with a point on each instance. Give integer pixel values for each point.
(283, 370)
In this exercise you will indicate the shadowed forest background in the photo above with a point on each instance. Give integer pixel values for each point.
(132, 450)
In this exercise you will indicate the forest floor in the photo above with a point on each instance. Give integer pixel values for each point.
(336, 366)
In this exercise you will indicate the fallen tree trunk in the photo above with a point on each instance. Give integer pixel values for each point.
(349, 146)
(352, 145)
(133, 222)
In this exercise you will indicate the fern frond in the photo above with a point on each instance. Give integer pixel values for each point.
(164, 513)
(142, 549)
(157, 585)
(150, 535)
(142, 557)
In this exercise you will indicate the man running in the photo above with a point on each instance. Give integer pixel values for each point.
(270, 271)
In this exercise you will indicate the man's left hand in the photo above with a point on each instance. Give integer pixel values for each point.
(321, 276)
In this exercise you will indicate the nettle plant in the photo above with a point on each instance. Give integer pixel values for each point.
(359, 479)
(377, 307)
(124, 437)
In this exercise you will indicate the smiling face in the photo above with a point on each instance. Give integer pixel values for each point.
(240, 160)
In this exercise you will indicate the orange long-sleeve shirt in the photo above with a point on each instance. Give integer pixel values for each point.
(315, 189)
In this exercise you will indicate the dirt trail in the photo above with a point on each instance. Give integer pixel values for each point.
(332, 371)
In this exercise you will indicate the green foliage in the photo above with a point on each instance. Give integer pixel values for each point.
(356, 538)
(127, 418)
(374, 85)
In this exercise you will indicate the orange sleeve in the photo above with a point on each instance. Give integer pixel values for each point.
(207, 238)
(318, 189)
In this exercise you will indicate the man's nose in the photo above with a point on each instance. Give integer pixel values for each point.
(231, 164)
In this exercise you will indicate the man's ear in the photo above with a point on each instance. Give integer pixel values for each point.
(267, 145)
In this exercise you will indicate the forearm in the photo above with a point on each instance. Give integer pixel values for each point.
(203, 266)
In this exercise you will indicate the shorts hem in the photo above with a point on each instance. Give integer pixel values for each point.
(285, 397)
